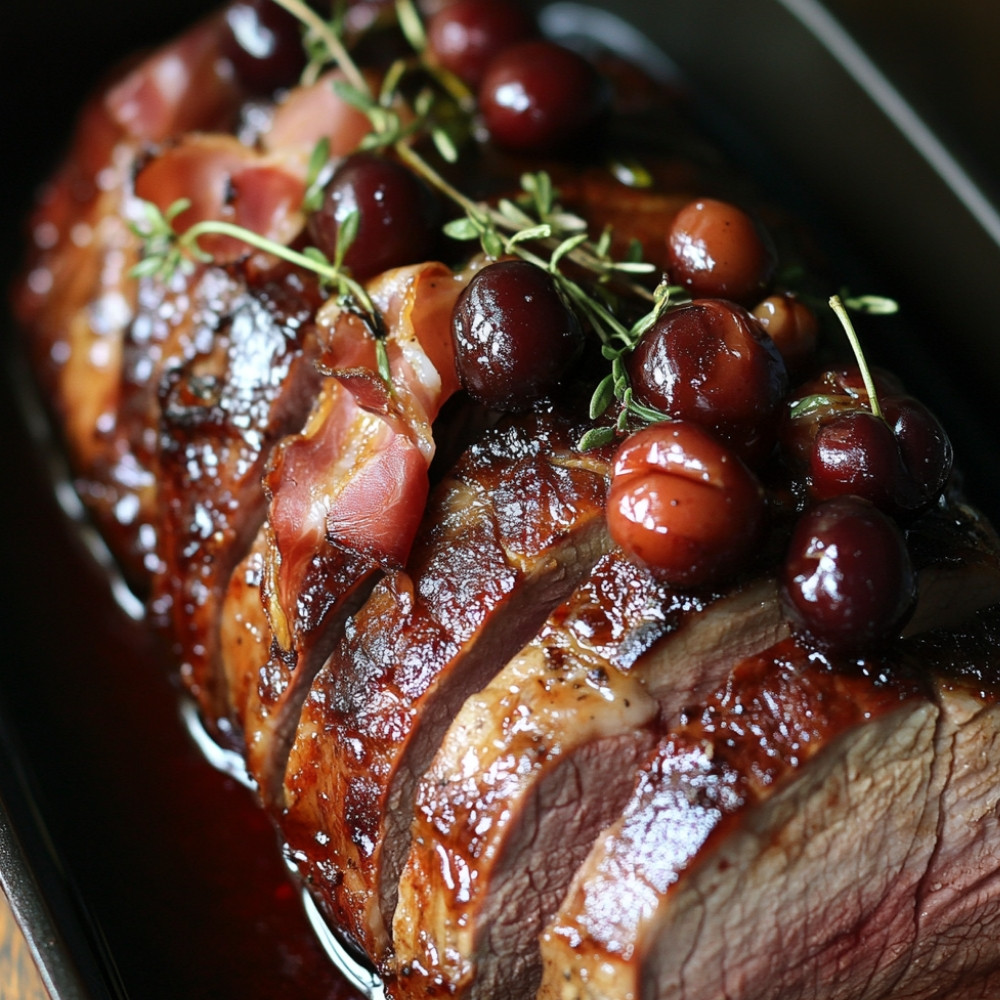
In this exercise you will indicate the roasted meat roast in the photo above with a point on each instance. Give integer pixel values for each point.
(592, 621)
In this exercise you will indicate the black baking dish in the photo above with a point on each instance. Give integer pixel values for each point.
(138, 870)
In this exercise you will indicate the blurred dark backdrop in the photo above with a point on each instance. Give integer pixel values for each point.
(52, 53)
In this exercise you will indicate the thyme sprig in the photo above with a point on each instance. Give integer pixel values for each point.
(517, 226)
(167, 252)
(324, 43)
(840, 310)
(318, 173)
(441, 108)
(444, 113)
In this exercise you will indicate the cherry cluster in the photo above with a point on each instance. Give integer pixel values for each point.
(689, 496)
(692, 495)
(533, 96)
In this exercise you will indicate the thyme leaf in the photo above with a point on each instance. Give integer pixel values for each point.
(165, 251)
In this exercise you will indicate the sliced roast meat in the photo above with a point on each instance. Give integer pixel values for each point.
(221, 415)
(958, 899)
(507, 536)
(776, 839)
(507, 760)
(76, 298)
(542, 758)
(346, 495)
(494, 844)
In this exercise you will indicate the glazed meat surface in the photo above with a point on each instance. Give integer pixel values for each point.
(483, 576)
(532, 665)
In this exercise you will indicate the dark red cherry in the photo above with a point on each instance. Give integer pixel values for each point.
(715, 249)
(683, 504)
(264, 45)
(857, 453)
(791, 325)
(712, 363)
(464, 36)
(900, 461)
(832, 394)
(924, 448)
(515, 337)
(537, 96)
(847, 579)
(398, 216)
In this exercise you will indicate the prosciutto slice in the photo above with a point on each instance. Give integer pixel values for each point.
(346, 495)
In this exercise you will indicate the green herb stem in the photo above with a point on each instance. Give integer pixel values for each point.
(330, 272)
(334, 45)
(837, 305)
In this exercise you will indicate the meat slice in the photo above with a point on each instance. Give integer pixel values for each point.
(542, 758)
(76, 299)
(958, 899)
(507, 536)
(776, 839)
(221, 415)
(346, 495)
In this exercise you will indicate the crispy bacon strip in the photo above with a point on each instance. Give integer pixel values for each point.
(346, 498)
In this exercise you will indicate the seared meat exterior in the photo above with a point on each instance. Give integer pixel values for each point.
(345, 498)
(531, 770)
(80, 303)
(525, 724)
(837, 793)
(483, 575)
(221, 413)
(718, 828)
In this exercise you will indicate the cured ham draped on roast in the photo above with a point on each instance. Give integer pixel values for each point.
(527, 722)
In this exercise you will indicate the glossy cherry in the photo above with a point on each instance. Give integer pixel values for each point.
(857, 453)
(791, 325)
(538, 96)
(712, 363)
(847, 579)
(515, 337)
(831, 394)
(714, 248)
(900, 461)
(264, 45)
(398, 216)
(464, 36)
(683, 504)
(925, 450)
